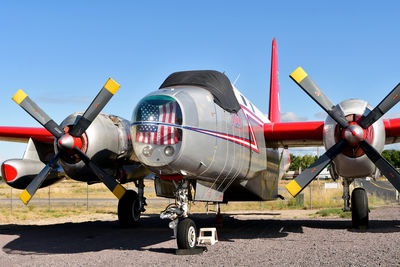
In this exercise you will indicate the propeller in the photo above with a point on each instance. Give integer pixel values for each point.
(31, 189)
(386, 104)
(37, 113)
(98, 103)
(69, 142)
(353, 134)
(309, 86)
(303, 179)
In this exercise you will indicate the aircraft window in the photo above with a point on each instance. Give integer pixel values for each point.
(244, 100)
(252, 108)
(162, 110)
(153, 108)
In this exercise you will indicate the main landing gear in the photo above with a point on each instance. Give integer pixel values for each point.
(131, 205)
(185, 230)
(359, 209)
(359, 205)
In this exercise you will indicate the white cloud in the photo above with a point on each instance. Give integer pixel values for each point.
(64, 100)
(391, 116)
(301, 151)
(393, 146)
(321, 115)
(291, 117)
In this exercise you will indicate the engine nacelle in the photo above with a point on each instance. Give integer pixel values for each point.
(107, 142)
(352, 162)
(18, 173)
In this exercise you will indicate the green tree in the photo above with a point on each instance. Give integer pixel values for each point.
(392, 156)
(301, 161)
(294, 163)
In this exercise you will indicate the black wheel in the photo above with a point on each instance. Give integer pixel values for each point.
(128, 209)
(187, 234)
(359, 209)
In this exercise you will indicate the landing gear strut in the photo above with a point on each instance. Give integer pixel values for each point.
(185, 230)
(346, 194)
(359, 208)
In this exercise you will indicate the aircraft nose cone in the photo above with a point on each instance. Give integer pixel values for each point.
(354, 134)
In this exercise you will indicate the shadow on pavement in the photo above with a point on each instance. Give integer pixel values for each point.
(95, 236)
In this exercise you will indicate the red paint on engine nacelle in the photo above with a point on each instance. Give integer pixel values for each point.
(8, 172)
(172, 177)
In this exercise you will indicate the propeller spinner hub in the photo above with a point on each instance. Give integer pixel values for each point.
(354, 134)
(68, 142)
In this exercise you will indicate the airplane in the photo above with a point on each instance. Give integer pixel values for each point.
(203, 141)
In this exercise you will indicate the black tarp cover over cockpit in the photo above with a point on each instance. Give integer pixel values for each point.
(214, 81)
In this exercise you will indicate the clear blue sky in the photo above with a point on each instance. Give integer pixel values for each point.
(62, 53)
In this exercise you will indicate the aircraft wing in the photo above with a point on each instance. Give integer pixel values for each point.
(303, 134)
(392, 129)
(22, 134)
(281, 134)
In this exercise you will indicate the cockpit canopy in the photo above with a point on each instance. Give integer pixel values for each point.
(154, 117)
(156, 130)
(214, 81)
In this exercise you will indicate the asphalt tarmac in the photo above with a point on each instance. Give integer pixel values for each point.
(255, 239)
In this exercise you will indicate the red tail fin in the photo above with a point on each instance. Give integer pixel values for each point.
(274, 109)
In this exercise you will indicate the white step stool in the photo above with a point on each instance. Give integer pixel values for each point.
(213, 238)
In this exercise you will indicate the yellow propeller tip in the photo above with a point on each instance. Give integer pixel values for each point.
(293, 187)
(19, 96)
(119, 191)
(298, 75)
(112, 86)
(25, 197)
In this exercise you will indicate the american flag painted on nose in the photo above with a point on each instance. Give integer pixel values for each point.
(158, 134)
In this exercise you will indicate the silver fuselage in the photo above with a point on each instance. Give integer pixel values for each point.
(225, 151)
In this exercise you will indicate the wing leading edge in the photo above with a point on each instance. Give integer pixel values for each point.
(303, 134)
(292, 134)
(22, 134)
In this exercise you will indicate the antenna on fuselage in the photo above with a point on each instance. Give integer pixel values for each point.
(237, 78)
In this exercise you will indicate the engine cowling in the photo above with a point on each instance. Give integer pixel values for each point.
(353, 162)
(107, 142)
(353, 134)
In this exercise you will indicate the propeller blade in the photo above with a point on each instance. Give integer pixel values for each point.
(386, 104)
(302, 180)
(102, 98)
(116, 188)
(380, 162)
(37, 113)
(307, 84)
(31, 189)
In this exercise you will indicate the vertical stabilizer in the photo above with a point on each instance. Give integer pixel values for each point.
(274, 109)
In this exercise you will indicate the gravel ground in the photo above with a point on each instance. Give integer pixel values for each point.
(251, 239)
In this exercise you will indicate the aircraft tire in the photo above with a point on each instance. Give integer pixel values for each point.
(128, 209)
(359, 209)
(187, 234)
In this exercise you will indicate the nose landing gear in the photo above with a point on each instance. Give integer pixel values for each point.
(185, 230)
(186, 234)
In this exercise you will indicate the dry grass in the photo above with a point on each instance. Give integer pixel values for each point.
(72, 189)
(33, 213)
(321, 199)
